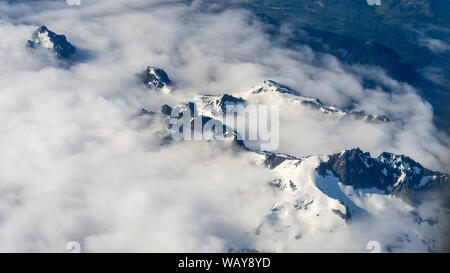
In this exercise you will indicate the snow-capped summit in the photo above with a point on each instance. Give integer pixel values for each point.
(331, 191)
(154, 77)
(272, 86)
(216, 105)
(393, 174)
(353, 175)
(47, 39)
(274, 90)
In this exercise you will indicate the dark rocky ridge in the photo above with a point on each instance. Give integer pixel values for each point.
(154, 77)
(189, 110)
(45, 38)
(226, 99)
(393, 174)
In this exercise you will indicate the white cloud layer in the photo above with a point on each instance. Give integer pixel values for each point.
(76, 165)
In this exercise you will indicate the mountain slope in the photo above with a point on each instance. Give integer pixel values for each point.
(58, 44)
(155, 77)
(215, 106)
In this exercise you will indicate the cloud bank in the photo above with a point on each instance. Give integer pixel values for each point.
(75, 163)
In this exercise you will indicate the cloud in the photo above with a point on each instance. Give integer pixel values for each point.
(435, 45)
(76, 165)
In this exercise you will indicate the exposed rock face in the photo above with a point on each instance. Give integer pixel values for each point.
(217, 105)
(396, 174)
(154, 77)
(58, 44)
(273, 160)
(166, 110)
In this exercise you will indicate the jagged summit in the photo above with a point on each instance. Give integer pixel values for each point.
(229, 99)
(269, 87)
(47, 39)
(351, 178)
(155, 77)
(396, 174)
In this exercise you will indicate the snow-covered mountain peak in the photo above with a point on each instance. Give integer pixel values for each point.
(352, 178)
(272, 86)
(155, 77)
(271, 91)
(393, 174)
(216, 105)
(47, 39)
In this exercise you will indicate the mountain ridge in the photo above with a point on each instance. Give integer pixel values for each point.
(58, 44)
